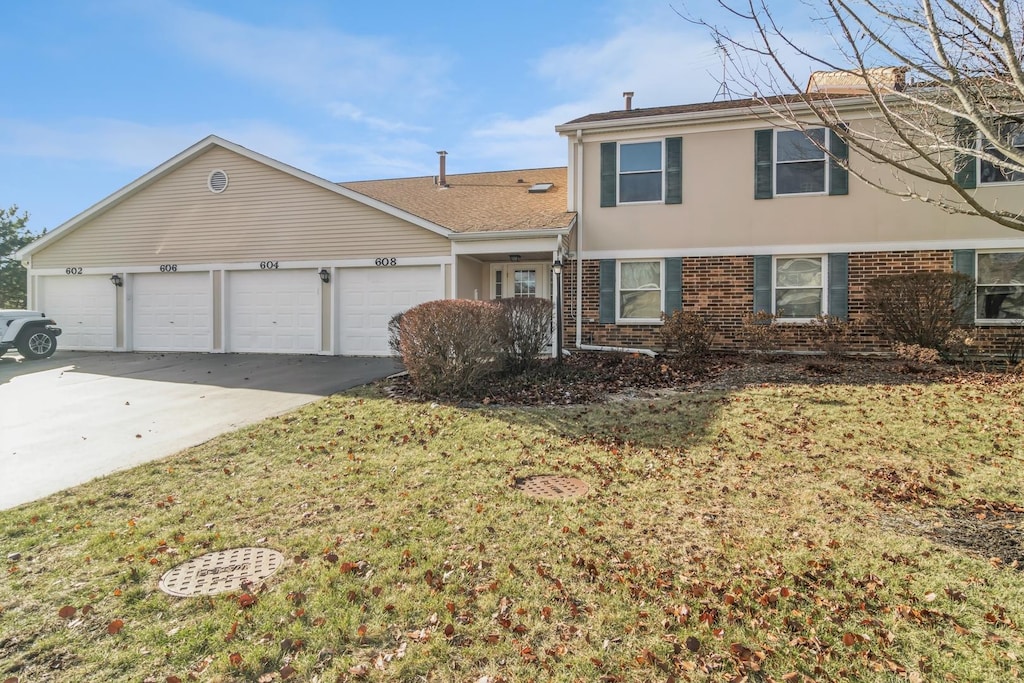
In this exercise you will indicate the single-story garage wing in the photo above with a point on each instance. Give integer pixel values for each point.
(222, 249)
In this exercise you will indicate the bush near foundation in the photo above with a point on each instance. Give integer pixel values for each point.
(448, 345)
(522, 330)
(922, 309)
(688, 333)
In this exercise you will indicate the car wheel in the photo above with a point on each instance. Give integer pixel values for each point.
(37, 344)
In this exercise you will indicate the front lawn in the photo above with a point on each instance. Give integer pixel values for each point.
(777, 532)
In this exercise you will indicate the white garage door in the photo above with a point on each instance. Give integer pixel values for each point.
(368, 297)
(274, 311)
(84, 307)
(171, 312)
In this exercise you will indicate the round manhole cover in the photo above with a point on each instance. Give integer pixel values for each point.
(221, 571)
(552, 486)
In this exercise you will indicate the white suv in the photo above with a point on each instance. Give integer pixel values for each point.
(31, 332)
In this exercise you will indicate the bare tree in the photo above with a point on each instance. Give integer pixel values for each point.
(941, 79)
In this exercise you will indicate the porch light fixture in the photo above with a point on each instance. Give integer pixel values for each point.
(514, 258)
(117, 280)
(325, 276)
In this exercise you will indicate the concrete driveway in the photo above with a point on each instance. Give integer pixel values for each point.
(80, 415)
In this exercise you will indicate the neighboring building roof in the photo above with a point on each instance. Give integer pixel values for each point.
(479, 202)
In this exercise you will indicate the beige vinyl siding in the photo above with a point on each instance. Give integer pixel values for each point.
(264, 214)
(719, 209)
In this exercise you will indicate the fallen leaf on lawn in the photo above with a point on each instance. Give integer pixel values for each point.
(114, 627)
(692, 644)
(235, 659)
(359, 670)
(66, 612)
(287, 671)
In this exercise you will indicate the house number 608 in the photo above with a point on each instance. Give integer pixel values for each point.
(386, 261)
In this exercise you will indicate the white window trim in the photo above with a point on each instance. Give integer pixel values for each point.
(619, 320)
(992, 321)
(824, 287)
(980, 145)
(619, 172)
(776, 162)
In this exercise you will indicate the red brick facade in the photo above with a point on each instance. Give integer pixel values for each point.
(721, 288)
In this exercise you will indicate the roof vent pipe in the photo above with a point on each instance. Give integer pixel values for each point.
(442, 179)
(629, 100)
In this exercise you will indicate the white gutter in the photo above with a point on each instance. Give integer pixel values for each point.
(510, 234)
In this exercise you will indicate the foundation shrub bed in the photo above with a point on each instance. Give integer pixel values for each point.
(922, 309)
(522, 328)
(688, 333)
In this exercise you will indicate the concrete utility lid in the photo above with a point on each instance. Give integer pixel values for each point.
(552, 486)
(221, 571)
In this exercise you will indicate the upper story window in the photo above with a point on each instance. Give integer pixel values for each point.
(640, 178)
(642, 172)
(990, 172)
(1000, 284)
(795, 162)
(800, 166)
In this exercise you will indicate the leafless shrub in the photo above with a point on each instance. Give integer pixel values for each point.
(447, 345)
(920, 308)
(761, 334)
(1015, 345)
(522, 330)
(832, 335)
(395, 334)
(688, 333)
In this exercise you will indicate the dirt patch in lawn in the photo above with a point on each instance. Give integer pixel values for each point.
(992, 530)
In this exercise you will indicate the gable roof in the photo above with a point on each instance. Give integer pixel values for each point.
(191, 153)
(496, 201)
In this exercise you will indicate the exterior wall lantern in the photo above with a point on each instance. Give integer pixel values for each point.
(117, 280)
(325, 276)
(514, 258)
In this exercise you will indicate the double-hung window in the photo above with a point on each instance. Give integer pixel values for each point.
(1001, 285)
(991, 172)
(640, 291)
(640, 172)
(799, 287)
(800, 162)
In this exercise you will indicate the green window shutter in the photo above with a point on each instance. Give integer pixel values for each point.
(839, 286)
(763, 142)
(609, 150)
(763, 284)
(673, 170)
(965, 166)
(838, 175)
(673, 285)
(963, 262)
(607, 290)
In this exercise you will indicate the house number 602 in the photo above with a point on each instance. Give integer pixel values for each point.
(386, 261)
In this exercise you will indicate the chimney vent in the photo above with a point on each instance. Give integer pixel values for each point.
(442, 179)
(629, 100)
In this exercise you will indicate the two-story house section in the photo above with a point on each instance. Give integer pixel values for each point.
(723, 209)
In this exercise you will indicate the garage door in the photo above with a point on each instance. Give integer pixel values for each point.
(171, 312)
(274, 311)
(84, 307)
(368, 297)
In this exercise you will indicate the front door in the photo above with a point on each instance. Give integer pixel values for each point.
(516, 280)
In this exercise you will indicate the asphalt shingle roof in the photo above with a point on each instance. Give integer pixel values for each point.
(478, 202)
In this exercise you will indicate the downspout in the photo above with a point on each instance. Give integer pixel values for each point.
(578, 191)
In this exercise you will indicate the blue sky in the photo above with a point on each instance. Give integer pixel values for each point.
(98, 92)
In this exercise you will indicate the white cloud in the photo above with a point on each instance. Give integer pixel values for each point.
(350, 112)
(319, 64)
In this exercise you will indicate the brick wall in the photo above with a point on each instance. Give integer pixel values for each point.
(721, 288)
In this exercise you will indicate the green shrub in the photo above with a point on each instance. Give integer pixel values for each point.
(522, 330)
(448, 345)
(921, 308)
(688, 333)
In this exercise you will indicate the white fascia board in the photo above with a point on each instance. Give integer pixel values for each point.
(130, 269)
(510, 234)
(527, 244)
(773, 249)
(194, 151)
(739, 114)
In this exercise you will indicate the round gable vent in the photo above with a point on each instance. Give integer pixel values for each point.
(218, 181)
